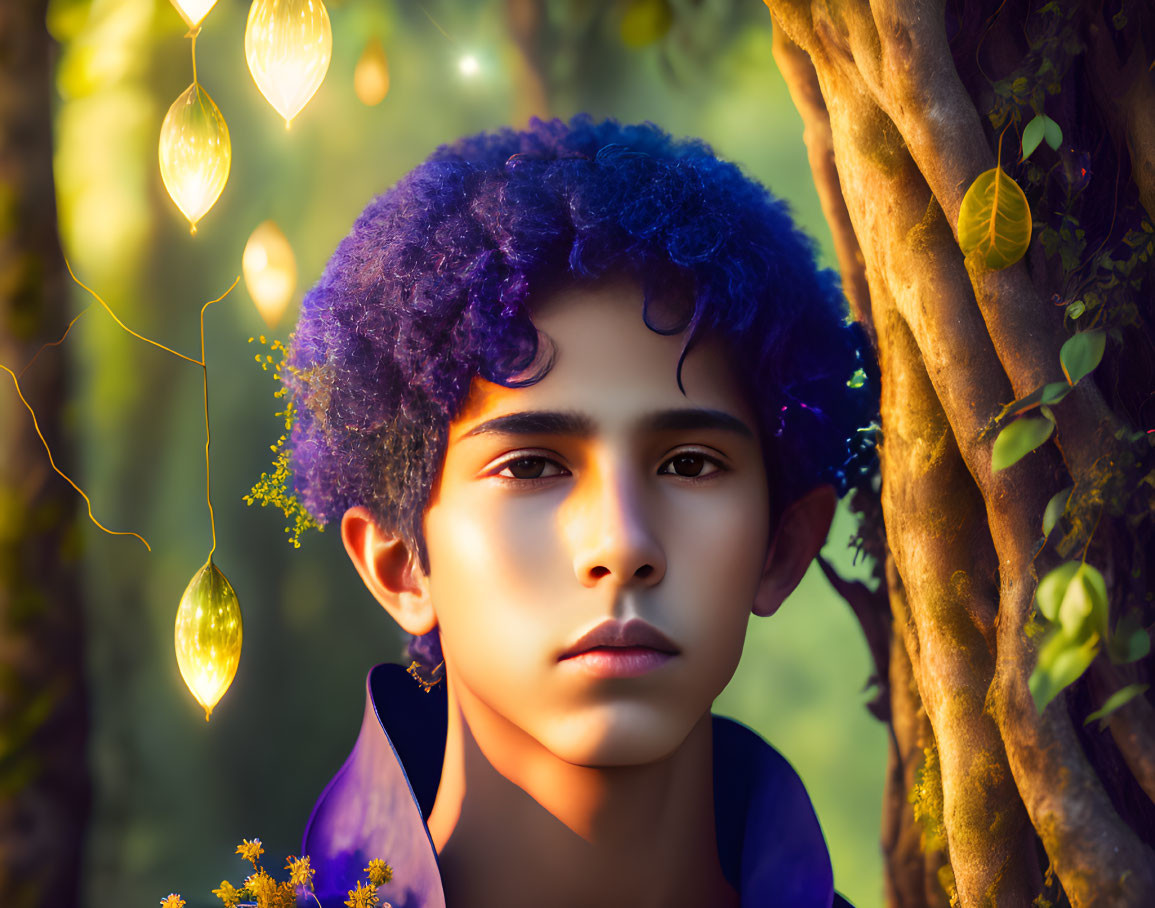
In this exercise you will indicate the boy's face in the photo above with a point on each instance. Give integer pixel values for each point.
(599, 494)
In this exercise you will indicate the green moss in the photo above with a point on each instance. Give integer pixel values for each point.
(926, 801)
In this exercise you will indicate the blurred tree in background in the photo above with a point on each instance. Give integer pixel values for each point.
(44, 783)
(172, 795)
(991, 800)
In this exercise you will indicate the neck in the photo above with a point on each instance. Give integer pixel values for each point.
(515, 825)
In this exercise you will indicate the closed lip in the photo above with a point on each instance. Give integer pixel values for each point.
(616, 634)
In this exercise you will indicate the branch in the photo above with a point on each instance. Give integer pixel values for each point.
(802, 83)
(935, 526)
(1125, 92)
(912, 872)
(900, 56)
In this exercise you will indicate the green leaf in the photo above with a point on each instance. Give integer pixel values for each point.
(1053, 587)
(1061, 662)
(1077, 308)
(1055, 508)
(1048, 394)
(994, 220)
(1083, 611)
(1033, 135)
(1121, 697)
(1081, 354)
(1130, 641)
(1018, 439)
(1053, 132)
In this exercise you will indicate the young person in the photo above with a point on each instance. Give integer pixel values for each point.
(581, 401)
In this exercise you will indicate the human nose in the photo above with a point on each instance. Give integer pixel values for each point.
(613, 534)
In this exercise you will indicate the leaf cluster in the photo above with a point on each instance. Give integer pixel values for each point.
(276, 487)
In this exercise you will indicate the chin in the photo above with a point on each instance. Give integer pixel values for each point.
(622, 741)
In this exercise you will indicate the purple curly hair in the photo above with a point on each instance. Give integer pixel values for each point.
(433, 286)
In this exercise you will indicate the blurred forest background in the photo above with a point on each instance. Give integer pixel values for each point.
(172, 795)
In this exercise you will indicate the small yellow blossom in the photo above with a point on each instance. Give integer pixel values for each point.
(228, 894)
(262, 886)
(300, 871)
(172, 900)
(379, 872)
(250, 850)
(364, 896)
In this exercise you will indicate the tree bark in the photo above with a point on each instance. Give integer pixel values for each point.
(44, 785)
(895, 139)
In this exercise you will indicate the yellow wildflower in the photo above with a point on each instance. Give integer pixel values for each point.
(262, 886)
(172, 900)
(379, 872)
(250, 850)
(228, 894)
(300, 871)
(364, 896)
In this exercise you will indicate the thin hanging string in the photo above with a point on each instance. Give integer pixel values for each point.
(36, 425)
(208, 436)
(193, 34)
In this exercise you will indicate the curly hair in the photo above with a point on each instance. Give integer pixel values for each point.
(434, 287)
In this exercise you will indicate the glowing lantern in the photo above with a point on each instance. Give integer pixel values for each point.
(288, 44)
(208, 636)
(195, 153)
(270, 270)
(193, 11)
(371, 77)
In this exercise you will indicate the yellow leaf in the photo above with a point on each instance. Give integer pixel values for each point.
(994, 221)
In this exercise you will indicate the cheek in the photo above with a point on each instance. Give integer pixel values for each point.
(491, 568)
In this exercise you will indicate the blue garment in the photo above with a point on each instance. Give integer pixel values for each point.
(769, 842)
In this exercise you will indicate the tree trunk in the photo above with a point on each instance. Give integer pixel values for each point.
(44, 787)
(905, 103)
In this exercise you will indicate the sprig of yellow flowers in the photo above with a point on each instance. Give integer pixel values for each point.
(262, 890)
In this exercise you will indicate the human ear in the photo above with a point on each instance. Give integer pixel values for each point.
(390, 570)
(800, 535)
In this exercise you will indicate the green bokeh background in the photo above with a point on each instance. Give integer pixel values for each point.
(173, 795)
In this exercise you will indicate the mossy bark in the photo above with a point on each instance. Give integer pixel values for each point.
(44, 784)
(894, 94)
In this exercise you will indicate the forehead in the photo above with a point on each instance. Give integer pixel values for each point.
(609, 366)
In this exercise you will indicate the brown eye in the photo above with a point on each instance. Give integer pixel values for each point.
(526, 468)
(529, 468)
(689, 465)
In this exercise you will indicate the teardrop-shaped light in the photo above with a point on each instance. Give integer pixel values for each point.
(270, 270)
(371, 77)
(208, 636)
(195, 153)
(288, 44)
(193, 11)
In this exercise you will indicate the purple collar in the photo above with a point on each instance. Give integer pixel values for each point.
(769, 842)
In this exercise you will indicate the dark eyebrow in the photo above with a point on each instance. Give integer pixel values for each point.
(549, 422)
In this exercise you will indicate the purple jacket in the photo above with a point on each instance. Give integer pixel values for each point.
(769, 842)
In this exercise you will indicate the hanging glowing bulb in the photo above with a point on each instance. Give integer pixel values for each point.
(288, 44)
(195, 153)
(270, 270)
(371, 77)
(208, 636)
(193, 11)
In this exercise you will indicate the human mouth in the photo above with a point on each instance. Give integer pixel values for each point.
(617, 650)
(618, 661)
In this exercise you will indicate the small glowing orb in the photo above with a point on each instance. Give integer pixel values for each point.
(371, 77)
(469, 66)
(195, 153)
(270, 270)
(208, 636)
(288, 44)
(193, 11)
